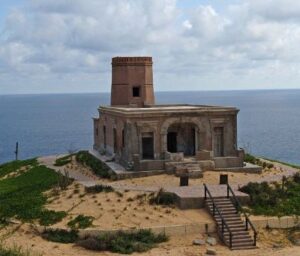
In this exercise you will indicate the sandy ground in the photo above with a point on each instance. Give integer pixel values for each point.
(123, 210)
(177, 246)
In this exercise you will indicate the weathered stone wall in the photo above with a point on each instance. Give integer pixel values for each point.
(134, 127)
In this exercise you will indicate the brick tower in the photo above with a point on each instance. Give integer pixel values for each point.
(132, 82)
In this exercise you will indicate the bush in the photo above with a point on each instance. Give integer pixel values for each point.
(122, 242)
(98, 167)
(99, 188)
(81, 222)
(162, 197)
(63, 160)
(60, 236)
(274, 199)
(250, 158)
(64, 180)
(49, 217)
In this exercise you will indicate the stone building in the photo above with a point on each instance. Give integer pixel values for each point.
(143, 136)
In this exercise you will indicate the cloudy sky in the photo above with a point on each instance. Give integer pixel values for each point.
(54, 46)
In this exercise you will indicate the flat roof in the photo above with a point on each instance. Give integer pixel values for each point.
(167, 109)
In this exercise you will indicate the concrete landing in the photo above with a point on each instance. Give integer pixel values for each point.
(192, 197)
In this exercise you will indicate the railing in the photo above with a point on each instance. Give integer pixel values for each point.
(239, 208)
(216, 209)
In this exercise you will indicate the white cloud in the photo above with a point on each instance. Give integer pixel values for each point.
(255, 44)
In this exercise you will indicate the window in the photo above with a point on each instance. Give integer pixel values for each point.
(136, 91)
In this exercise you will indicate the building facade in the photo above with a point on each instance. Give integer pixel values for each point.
(143, 136)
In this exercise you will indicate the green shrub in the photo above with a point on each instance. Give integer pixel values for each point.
(15, 165)
(60, 235)
(250, 158)
(162, 197)
(49, 217)
(98, 167)
(99, 188)
(277, 199)
(63, 160)
(121, 242)
(81, 222)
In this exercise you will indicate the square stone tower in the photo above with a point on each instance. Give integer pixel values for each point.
(132, 82)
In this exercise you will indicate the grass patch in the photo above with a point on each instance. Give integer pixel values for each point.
(63, 160)
(98, 167)
(81, 222)
(22, 196)
(99, 188)
(276, 199)
(163, 198)
(49, 217)
(15, 165)
(60, 236)
(121, 242)
(14, 251)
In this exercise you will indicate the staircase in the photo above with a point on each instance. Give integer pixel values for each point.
(232, 230)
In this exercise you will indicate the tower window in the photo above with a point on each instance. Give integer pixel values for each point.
(136, 91)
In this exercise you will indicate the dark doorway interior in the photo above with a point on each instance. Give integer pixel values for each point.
(172, 142)
(182, 138)
(147, 148)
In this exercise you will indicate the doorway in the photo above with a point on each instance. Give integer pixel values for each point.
(172, 142)
(218, 141)
(148, 146)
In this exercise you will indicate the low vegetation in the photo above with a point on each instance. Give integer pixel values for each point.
(98, 167)
(60, 235)
(280, 162)
(63, 160)
(13, 166)
(162, 197)
(99, 188)
(81, 222)
(64, 180)
(49, 217)
(22, 197)
(14, 251)
(253, 160)
(275, 199)
(124, 243)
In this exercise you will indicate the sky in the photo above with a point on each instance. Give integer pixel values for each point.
(66, 46)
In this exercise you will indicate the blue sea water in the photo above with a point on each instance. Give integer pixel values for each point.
(268, 121)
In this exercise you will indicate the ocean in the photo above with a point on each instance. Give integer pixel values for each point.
(268, 121)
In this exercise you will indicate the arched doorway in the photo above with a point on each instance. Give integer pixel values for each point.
(181, 137)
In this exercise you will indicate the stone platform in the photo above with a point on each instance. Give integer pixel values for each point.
(192, 197)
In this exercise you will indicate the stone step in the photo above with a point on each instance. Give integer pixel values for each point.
(243, 247)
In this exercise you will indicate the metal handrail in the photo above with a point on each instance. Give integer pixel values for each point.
(224, 224)
(238, 208)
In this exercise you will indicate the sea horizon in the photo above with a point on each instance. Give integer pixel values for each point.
(46, 124)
